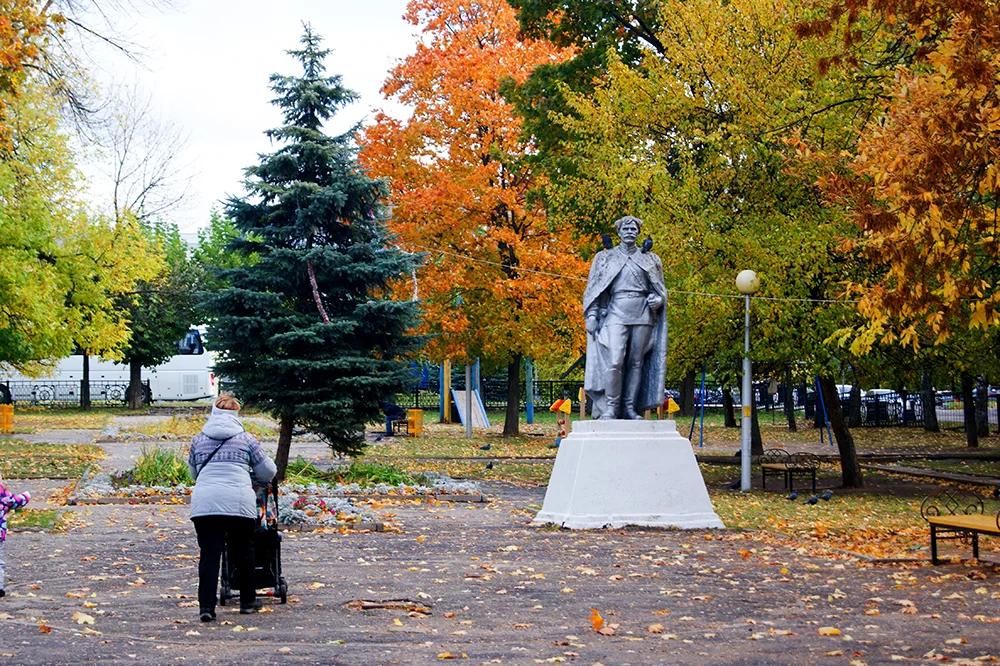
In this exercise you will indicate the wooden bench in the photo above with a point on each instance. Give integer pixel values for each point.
(788, 465)
(953, 513)
(400, 426)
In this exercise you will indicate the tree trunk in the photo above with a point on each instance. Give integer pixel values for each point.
(850, 468)
(927, 401)
(284, 445)
(969, 412)
(727, 407)
(756, 443)
(511, 422)
(687, 394)
(85, 383)
(982, 405)
(854, 418)
(134, 385)
(790, 401)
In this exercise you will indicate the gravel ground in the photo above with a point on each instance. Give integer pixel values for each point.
(499, 591)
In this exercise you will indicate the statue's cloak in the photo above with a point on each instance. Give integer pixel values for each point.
(604, 269)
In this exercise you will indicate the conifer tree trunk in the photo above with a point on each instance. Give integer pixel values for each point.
(284, 445)
(928, 402)
(727, 407)
(134, 384)
(790, 401)
(511, 422)
(850, 468)
(969, 412)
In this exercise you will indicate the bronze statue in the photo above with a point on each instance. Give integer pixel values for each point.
(623, 306)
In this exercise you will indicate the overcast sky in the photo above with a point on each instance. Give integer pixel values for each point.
(206, 64)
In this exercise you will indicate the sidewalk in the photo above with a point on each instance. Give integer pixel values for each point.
(500, 591)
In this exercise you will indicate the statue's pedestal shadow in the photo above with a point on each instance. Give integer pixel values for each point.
(618, 472)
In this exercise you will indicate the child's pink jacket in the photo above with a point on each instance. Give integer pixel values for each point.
(9, 502)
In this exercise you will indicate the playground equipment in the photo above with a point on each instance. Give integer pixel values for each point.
(563, 408)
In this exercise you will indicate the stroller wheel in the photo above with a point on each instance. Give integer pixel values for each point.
(283, 590)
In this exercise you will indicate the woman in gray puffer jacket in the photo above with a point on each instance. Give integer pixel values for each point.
(223, 504)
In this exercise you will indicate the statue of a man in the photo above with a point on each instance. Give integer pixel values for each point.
(623, 305)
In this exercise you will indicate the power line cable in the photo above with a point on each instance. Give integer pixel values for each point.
(669, 291)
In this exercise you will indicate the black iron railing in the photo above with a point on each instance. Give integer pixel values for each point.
(48, 393)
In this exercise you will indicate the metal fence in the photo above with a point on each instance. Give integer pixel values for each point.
(875, 408)
(103, 393)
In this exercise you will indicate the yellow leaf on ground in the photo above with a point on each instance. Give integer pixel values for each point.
(829, 631)
(396, 621)
(596, 621)
(655, 628)
(82, 618)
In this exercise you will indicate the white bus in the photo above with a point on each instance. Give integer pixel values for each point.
(187, 376)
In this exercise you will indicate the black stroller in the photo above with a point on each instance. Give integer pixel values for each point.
(267, 549)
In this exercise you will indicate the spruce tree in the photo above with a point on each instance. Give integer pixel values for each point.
(308, 332)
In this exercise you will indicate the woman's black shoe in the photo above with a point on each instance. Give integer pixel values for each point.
(207, 614)
(253, 608)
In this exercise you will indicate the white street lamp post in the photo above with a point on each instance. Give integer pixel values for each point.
(747, 283)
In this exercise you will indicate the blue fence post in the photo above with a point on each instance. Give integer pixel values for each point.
(822, 404)
(441, 392)
(529, 387)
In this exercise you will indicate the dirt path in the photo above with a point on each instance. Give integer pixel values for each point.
(499, 590)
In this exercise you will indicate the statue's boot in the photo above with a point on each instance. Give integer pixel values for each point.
(631, 393)
(612, 395)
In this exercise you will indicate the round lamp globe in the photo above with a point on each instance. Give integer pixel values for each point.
(747, 282)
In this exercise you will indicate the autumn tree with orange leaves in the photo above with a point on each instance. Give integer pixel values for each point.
(22, 29)
(491, 283)
(923, 185)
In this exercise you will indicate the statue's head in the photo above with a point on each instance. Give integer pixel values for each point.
(628, 228)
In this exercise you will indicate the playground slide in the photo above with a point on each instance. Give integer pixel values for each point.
(479, 418)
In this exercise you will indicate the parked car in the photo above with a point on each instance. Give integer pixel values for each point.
(887, 406)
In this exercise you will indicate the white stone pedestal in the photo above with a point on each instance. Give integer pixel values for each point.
(618, 472)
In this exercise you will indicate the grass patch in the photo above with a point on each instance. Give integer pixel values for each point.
(191, 425)
(977, 467)
(362, 473)
(156, 466)
(441, 440)
(33, 419)
(872, 524)
(20, 459)
(46, 519)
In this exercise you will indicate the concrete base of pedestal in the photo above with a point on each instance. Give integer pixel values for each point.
(617, 472)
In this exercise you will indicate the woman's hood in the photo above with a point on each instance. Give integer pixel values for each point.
(223, 424)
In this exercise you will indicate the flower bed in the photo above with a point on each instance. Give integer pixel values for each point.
(313, 505)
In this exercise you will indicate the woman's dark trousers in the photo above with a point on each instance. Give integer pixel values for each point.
(237, 535)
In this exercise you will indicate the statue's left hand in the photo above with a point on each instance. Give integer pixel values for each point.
(654, 301)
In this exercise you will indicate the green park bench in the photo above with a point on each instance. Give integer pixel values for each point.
(953, 513)
(778, 462)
